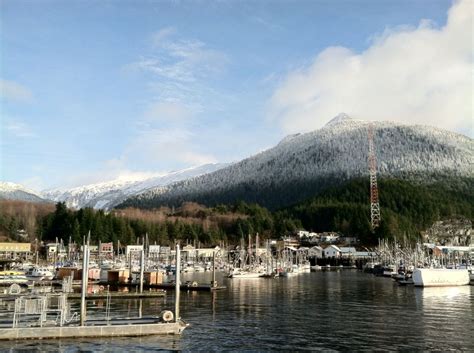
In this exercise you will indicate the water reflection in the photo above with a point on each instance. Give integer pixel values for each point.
(446, 312)
(342, 311)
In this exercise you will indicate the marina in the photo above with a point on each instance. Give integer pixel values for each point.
(32, 313)
(327, 310)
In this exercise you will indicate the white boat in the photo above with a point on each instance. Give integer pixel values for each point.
(237, 273)
(440, 277)
(39, 274)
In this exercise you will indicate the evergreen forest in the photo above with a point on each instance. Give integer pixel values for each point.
(407, 209)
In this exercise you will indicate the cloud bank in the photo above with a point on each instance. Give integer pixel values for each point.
(419, 75)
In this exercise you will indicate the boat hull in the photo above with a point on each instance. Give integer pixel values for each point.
(440, 277)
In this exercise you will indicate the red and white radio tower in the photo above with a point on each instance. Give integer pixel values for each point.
(374, 191)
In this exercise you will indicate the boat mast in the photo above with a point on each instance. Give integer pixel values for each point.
(85, 276)
(178, 284)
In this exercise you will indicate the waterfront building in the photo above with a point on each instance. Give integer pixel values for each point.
(347, 251)
(332, 251)
(133, 249)
(287, 242)
(315, 251)
(189, 252)
(329, 237)
(106, 249)
(154, 251)
(55, 251)
(207, 253)
(14, 250)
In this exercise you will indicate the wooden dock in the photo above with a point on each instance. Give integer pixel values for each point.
(170, 286)
(119, 295)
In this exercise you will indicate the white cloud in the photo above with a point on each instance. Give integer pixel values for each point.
(412, 75)
(14, 91)
(178, 59)
(180, 73)
(158, 147)
(162, 34)
(153, 151)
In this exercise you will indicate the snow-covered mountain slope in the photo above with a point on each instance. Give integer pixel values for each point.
(12, 191)
(304, 164)
(106, 195)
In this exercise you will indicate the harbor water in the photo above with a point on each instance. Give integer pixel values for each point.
(343, 310)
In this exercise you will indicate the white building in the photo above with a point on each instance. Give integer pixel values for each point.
(347, 251)
(207, 252)
(329, 237)
(154, 250)
(133, 249)
(332, 251)
(315, 251)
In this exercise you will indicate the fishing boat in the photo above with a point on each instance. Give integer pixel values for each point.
(440, 277)
(238, 273)
(39, 274)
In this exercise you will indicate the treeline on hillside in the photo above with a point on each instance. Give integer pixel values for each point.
(272, 195)
(21, 215)
(190, 223)
(406, 209)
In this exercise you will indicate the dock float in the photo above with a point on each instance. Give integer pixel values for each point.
(118, 295)
(102, 329)
(168, 286)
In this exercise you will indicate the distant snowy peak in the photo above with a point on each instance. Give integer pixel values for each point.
(106, 195)
(12, 191)
(6, 186)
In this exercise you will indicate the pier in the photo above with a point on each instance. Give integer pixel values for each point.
(36, 317)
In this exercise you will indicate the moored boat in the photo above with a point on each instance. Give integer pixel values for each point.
(39, 274)
(438, 277)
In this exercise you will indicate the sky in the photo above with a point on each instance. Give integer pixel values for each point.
(96, 90)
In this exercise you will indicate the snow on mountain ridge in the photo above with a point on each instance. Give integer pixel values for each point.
(106, 195)
(12, 191)
(336, 152)
(6, 186)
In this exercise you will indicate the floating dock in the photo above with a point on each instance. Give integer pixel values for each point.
(111, 328)
(119, 295)
(169, 286)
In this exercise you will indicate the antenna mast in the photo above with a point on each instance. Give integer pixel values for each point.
(374, 191)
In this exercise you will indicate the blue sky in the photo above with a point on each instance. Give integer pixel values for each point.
(94, 90)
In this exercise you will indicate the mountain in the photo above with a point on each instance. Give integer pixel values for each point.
(303, 165)
(106, 195)
(12, 191)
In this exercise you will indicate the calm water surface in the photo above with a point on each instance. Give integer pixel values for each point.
(330, 311)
